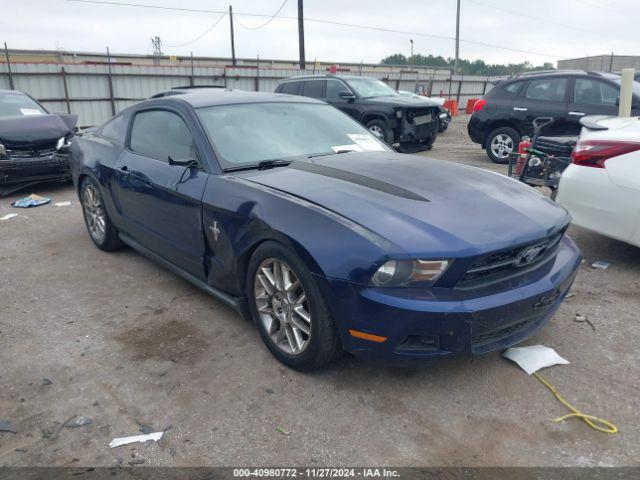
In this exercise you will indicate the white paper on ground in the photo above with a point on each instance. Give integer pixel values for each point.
(62, 204)
(9, 216)
(155, 436)
(533, 358)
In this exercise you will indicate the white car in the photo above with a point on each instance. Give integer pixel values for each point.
(601, 187)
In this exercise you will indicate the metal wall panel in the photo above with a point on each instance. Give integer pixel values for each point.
(88, 94)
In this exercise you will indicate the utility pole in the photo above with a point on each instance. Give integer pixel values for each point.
(233, 45)
(411, 41)
(303, 63)
(455, 65)
(157, 49)
(6, 53)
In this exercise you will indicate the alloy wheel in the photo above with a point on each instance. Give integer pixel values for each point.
(377, 131)
(282, 306)
(94, 213)
(502, 146)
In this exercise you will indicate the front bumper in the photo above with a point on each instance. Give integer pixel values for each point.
(28, 169)
(421, 324)
(409, 131)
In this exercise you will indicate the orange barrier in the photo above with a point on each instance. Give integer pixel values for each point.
(452, 106)
(470, 103)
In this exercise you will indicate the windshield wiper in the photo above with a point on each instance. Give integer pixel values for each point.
(261, 165)
(331, 153)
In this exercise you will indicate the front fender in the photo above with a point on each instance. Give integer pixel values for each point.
(247, 214)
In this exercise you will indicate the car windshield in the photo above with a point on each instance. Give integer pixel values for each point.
(15, 104)
(371, 88)
(246, 134)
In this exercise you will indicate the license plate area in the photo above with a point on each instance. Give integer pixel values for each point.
(422, 119)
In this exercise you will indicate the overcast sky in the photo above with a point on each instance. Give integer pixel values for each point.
(582, 27)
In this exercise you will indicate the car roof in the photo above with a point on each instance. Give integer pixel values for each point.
(554, 73)
(11, 92)
(321, 76)
(208, 98)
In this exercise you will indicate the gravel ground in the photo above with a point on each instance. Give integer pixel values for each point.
(125, 343)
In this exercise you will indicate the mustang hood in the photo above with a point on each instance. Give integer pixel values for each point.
(35, 129)
(424, 206)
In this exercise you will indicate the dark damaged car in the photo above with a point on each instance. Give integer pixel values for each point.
(408, 122)
(34, 144)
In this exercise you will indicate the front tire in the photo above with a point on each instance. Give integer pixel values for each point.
(99, 226)
(289, 309)
(380, 129)
(500, 143)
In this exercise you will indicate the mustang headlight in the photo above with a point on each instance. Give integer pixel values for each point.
(3, 151)
(404, 273)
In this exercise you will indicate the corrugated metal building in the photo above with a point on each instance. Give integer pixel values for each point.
(601, 63)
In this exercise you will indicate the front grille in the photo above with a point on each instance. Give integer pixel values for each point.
(31, 152)
(492, 336)
(497, 266)
(418, 112)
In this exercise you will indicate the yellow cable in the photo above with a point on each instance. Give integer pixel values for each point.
(605, 426)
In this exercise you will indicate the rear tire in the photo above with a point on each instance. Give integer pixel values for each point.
(500, 143)
(96, 218)
(299, 333)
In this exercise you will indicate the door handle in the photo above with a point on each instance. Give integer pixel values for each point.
(520, 109)
(577, 114)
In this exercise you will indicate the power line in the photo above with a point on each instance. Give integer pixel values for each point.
(317, 20)
(213, 25)
(265, 23)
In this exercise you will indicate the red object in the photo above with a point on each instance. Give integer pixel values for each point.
(593, 153)
(452, 106)
(471, 103)
(479, 104)
(333, 69)
(522, 155)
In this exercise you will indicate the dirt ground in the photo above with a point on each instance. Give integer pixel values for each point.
(123, 342)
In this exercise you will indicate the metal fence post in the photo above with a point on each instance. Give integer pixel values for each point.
(111, 99)
(459, 90)
(6, 54)
(66, 89)
(191, 79)
(257, 80)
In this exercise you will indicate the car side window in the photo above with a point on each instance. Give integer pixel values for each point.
(159, 134)
(548, 89)
(313, 88)
(594, 92)
(115, 130)
(513, 88)
(335, 88)
(289, 87)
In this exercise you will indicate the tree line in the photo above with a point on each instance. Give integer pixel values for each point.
(466, 67)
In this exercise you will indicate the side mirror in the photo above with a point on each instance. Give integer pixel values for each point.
(187, 162)
(347, 95)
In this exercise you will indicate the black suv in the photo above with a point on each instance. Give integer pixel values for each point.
(377, 106)
(506, 113)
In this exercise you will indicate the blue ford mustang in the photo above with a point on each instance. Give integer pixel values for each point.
(294, 214)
